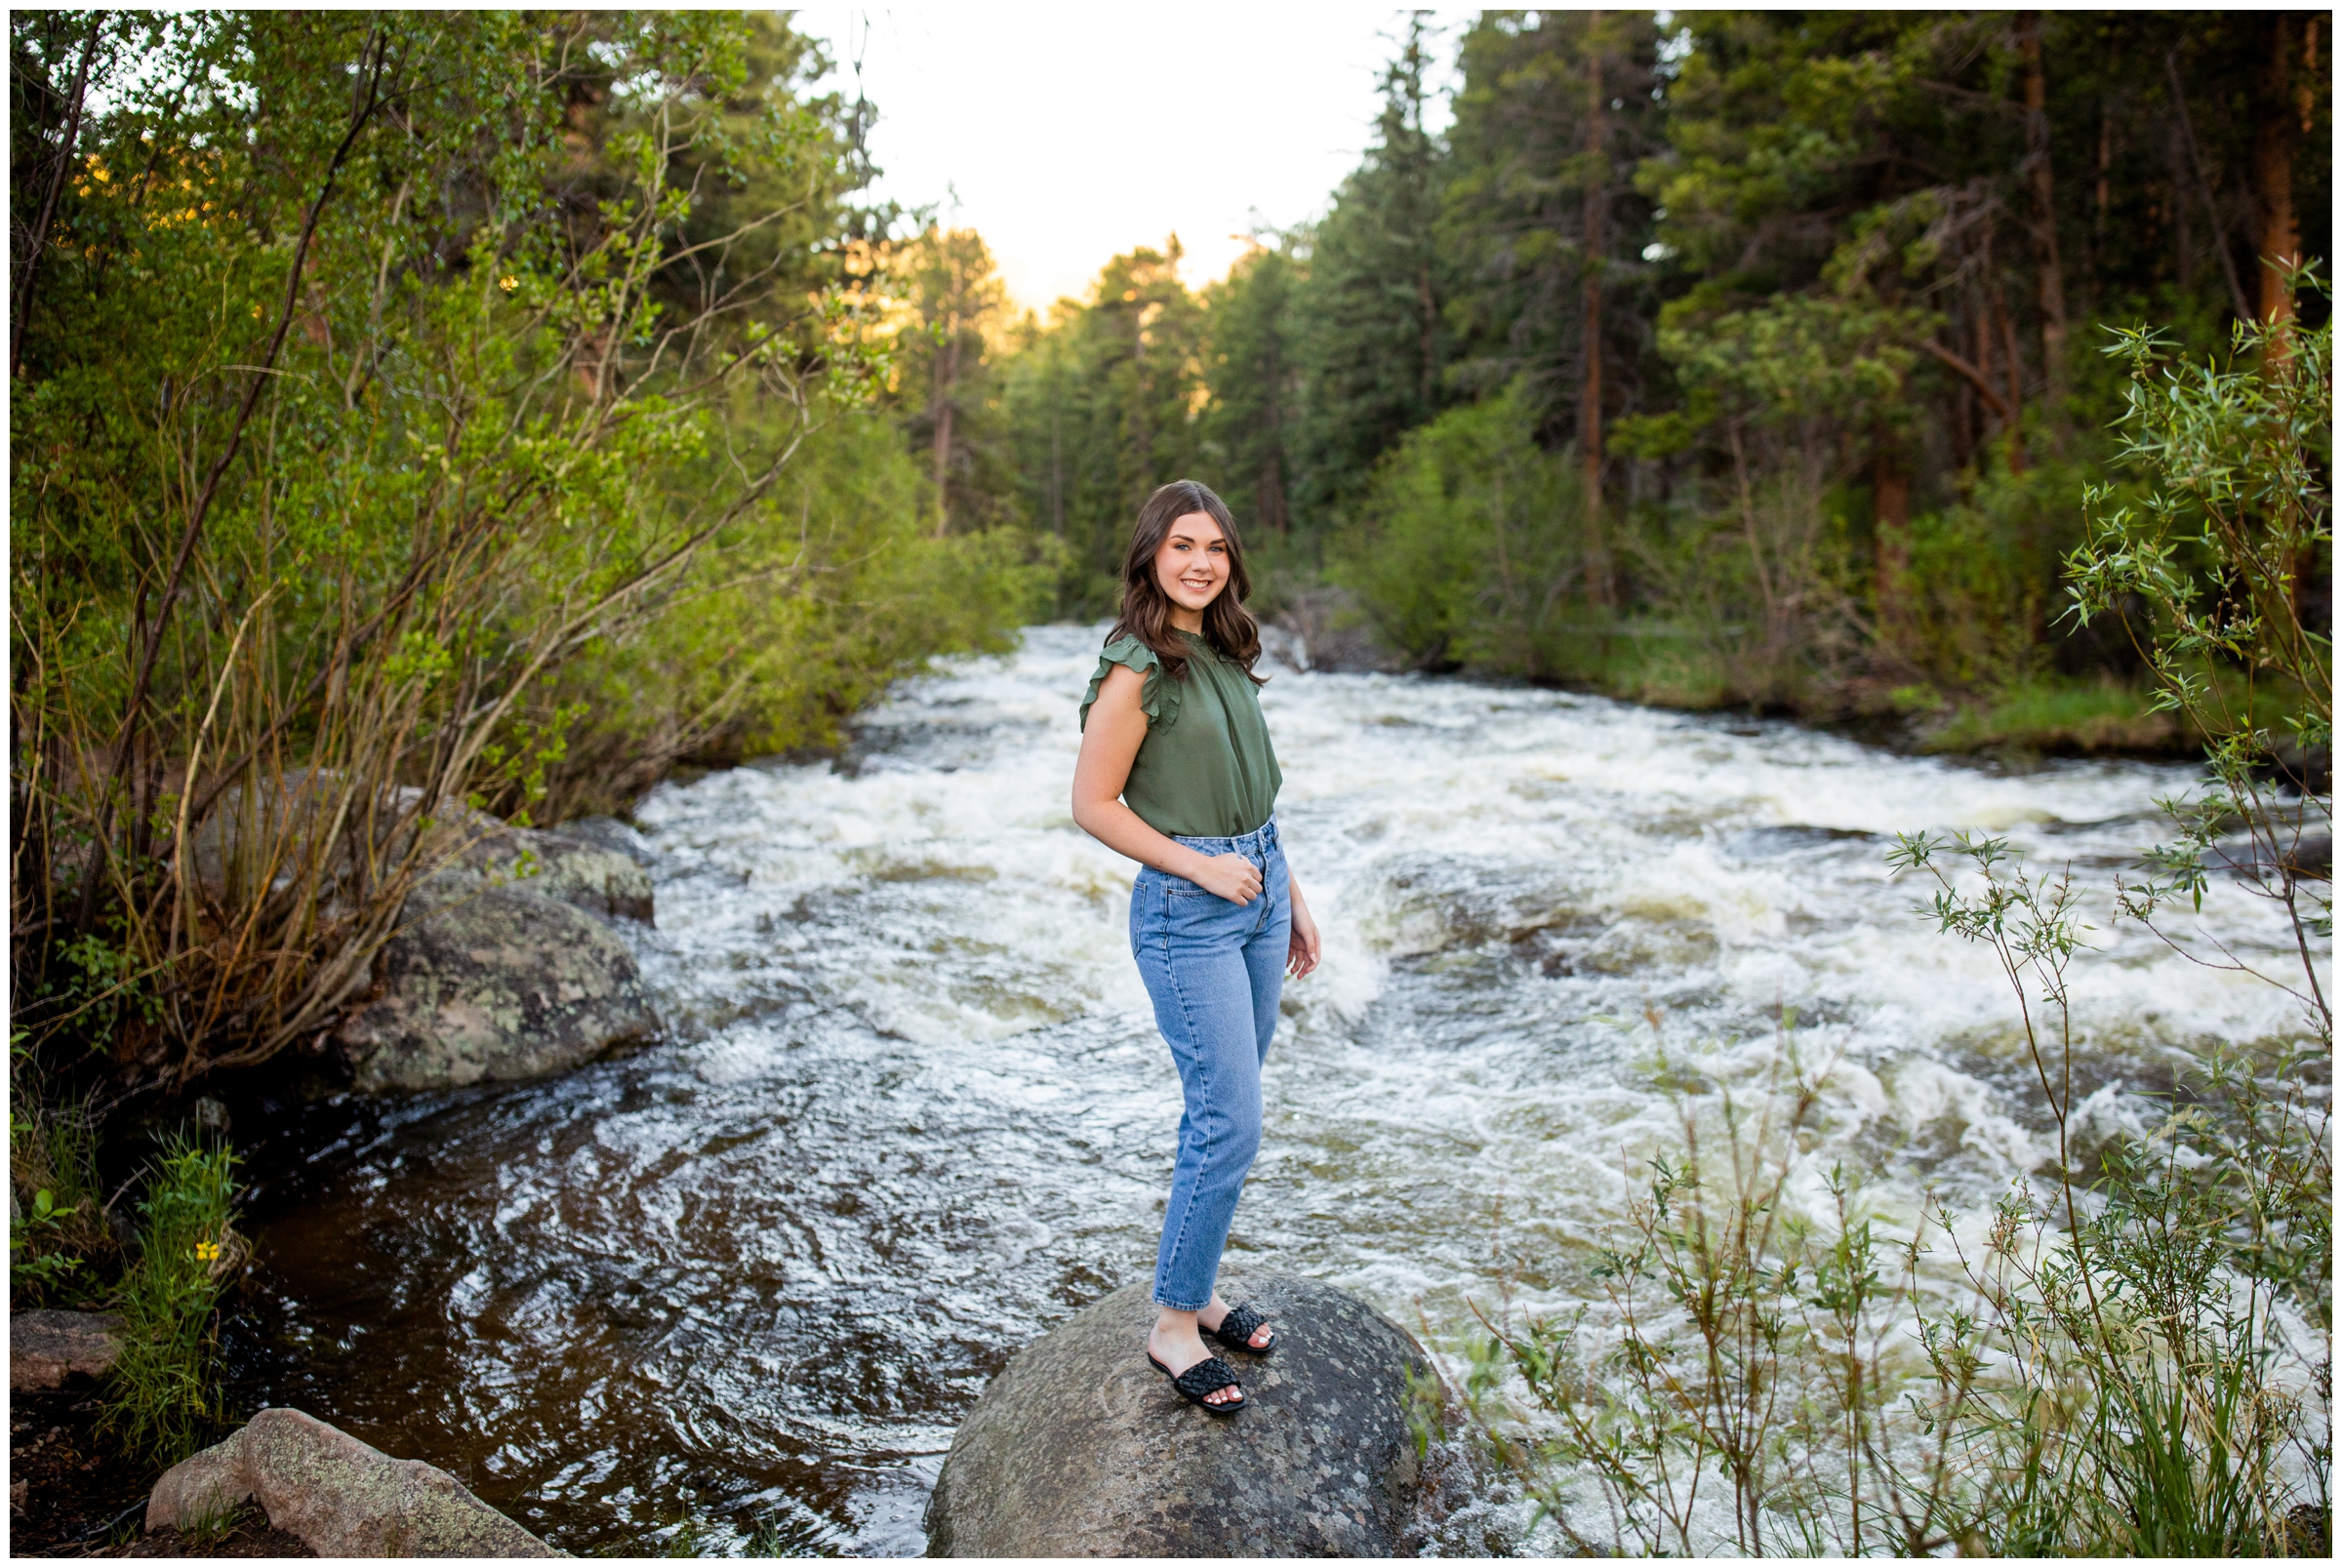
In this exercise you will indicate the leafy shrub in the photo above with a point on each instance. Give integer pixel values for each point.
(1474, 548)
(787, 623)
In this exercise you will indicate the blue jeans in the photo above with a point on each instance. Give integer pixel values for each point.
(1215, 971)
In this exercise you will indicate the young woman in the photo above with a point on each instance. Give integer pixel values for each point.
(1177, 771)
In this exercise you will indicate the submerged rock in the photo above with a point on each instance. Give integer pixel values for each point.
(1080, 1449)
(341, 1497)
(491, 984)
(46, 1347)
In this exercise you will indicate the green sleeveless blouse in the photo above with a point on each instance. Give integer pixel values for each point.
(1206, 769)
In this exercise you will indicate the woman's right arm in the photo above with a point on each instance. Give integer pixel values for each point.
(1109, 745)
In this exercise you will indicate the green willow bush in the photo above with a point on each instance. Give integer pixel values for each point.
(2223, 551)
(384, 377)
(1474, 546)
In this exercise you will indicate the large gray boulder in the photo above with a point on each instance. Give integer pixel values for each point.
(1080, 1449)
(267, 826)
(341, 1497)
(492, 981)
(566, 866)
(45, 1347)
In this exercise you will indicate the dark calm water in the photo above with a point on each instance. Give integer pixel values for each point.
(913, 1111)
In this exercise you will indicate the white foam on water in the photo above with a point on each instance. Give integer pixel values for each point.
(1450, 835)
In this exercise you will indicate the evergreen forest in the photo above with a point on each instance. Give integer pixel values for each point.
(1705, 358)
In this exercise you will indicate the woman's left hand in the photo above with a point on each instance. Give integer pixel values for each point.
(1302, 951)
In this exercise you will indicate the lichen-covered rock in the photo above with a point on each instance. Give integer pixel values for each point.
(272, 825)
(1080, 1449)
(558, 865)
(492, 984)
(268, 825)
(341, 1497)
(45, 1347)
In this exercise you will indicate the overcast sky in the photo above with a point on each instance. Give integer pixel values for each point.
(1067, 133)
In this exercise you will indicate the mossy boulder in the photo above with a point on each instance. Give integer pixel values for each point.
(493, 983)
(341, 1497)
(1080, 1449)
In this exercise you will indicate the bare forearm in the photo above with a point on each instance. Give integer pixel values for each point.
(1122, 830)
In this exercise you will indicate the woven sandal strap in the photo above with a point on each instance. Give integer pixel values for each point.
(1207, 1376)
(1242, 1323)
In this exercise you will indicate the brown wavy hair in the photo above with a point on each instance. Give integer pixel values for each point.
(1147, 609)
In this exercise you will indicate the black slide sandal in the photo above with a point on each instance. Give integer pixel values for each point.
(1207, 1376)
(1236, 1329)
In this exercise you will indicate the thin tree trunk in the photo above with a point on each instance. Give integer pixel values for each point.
(2050, 276)
(2106, 164)
(1590, 390)
(2203, 188)
(2273, 172)
(1138, 383)
(2183, 244)
(1428, 312)
(946, 384)
(38, 242)
(1890, 520)
(2017, 461)
(1057, 456)
(1272, 477)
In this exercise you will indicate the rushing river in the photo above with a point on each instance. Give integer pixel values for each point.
(912, 1110)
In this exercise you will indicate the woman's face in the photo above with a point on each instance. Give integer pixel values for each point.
(1193, 563)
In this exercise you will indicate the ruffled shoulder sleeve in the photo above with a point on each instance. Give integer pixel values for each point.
(1158, 697)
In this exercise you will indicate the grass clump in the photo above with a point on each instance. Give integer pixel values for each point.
(57, 1232)
(163, 1398)
(2066, 718)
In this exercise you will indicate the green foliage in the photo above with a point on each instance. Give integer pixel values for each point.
(382, 379)
(1372, 320)
(779, 635)
(1523, 172)
(38, 1265)
(1102, 408)
(2137, 1360)
(1250, 427)
(59, 1237)
(950, 390)
(1824, 276)
(2119, 1368)
(163, 1398)
(2225, 550)
(1474, 549)
(2067, 717)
